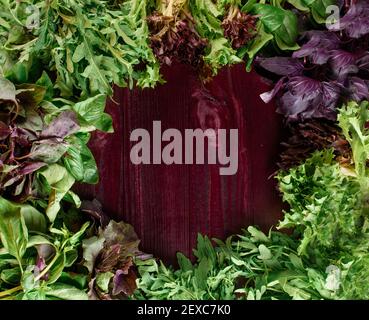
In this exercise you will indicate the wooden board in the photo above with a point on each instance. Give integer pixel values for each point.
(169, 205)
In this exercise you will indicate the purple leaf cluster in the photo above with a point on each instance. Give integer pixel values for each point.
(176, 41)
(355, 23)
(239, 28)
(327, 70)
(114, 256)
(26, 143)
(307, 137)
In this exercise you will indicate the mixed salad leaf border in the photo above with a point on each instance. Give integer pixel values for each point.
(58, 62)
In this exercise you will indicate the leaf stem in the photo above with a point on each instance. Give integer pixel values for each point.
(10, 291)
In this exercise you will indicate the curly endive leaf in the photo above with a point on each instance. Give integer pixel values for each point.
(353, 118)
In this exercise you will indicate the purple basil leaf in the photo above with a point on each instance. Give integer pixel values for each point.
(343, 63)
(331, 93)
(62, 126)
(301, 92)
(319, 104)
(282, 66)
(363, 62)
(48, 150)
(356, 21)
(18, 173)
(318, 48)
(358, 89)
(22, 137)
(268, 96)
(28, 168)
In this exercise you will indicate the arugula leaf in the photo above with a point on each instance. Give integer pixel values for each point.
(89, 45)
(238, 268)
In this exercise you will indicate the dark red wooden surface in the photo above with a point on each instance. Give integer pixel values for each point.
(169, 205)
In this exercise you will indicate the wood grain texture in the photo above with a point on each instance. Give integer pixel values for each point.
(169, 205)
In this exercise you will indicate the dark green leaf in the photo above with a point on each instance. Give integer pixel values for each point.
(46, 82)
(11, 276)
(74, 279)
(282, 24)
(184, 263)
